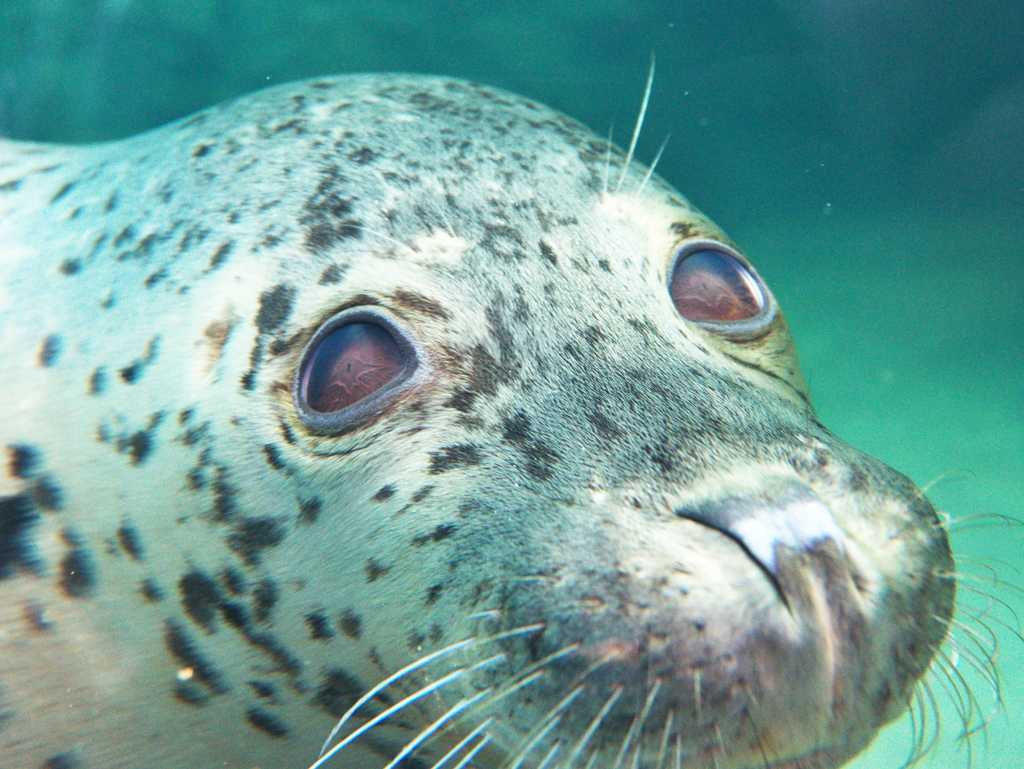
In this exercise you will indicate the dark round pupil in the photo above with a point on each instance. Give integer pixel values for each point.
(711, 285)
(349, 364)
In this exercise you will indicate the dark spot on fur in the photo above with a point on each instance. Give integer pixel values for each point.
(593, 335)
(125, 235)
(233, 581)
(332, 274)
(97, 381)
(338, 692)
(111, 203)
(150, 591)
(183, 648)
(275, 307)
(309, 510)
(351, 624)
(235, 614)
(248, 380)
(450, 457)
(273, 456)
(24, 460)
(548, 253)
(415, 641)
(685, 229)
(282, 658)
(433, 593)
(319, 626)
(62, 192)
(49, 350)
(375, 570)
(77, 578)
(17, 515)
(420, 304)
(131, 373)
(251, 536)
(362, 156)
(516, 428)
(195, 478)
(34, 614)
(539, 456)
(70, 266)
(604, 426)
(224, 507)
(262, 721)
(10, 186)
(420, 495)
(137, 446)
(201, 150)
(295, 125)
(62, 761)
(220, 255)
(200, 599)
(264, 597)
(281, 346)
(604, 265)
(327, 213)
(461, 400)
(263, 689)
(439, 534)
(190, 693)
(660, 458)
(47, 494)
(128, 539)
(385, 492)
(155, 277)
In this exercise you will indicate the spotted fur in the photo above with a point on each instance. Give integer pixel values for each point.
(192, 576)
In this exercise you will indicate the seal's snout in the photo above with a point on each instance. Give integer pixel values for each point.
(786, 515)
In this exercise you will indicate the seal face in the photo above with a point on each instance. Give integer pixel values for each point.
(371, 399)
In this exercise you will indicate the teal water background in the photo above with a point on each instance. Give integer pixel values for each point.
(868, 155)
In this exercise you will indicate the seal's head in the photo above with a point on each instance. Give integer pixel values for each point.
(411, 402)
(582, 409)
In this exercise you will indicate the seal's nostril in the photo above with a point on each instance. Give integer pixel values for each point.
(789, 515)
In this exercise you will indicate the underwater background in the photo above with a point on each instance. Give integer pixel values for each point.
(867, 154)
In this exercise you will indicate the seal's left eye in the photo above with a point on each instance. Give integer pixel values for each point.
(356, 362)
(712, 287)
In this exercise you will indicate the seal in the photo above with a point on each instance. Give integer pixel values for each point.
(408, 412)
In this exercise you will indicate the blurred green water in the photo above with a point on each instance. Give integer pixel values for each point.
(869, 156)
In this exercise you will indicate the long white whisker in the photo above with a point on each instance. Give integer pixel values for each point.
(401, 705)
(550, 755)
(639, 123)
(581, 744)
(650, 170)
(387, 682)
(462, 743)
(414, 666)
(531, 673)
(472, 754)
(663, 747)
(547, 724)
(427, 733)
(607, 163)
(637, 725)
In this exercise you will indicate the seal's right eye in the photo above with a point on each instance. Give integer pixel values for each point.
(351, 365)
